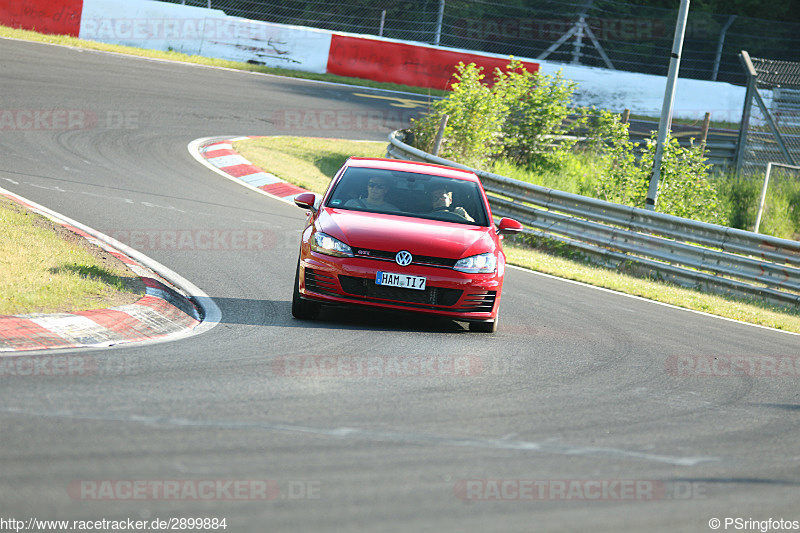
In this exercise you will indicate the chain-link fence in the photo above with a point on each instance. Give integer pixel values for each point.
(601, 33)
(770, 131)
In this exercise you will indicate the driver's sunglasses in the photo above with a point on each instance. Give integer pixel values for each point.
(376, 185)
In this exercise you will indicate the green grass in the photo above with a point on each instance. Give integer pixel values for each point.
(578, 175)
(40, 271)
(751, 311)
(305, 161)
(740, 198)
(63, 40)
(311, 164)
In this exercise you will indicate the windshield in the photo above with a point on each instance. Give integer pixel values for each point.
(409, 194)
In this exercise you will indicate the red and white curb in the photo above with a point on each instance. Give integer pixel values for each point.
(220, 156)
(165, 312)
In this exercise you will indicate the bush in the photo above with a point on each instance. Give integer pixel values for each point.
(739, 200)
(536, 106)
(520, 122)
(515, 118)
(685, 189)
(621, 180)
(475, 119)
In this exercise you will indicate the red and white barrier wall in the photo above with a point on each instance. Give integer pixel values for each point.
(211, 33)
(58, 17)
(385, 60)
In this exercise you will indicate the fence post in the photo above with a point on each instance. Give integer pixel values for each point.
(741, 145)
(763, 197)
(719, 47)
(704, 134)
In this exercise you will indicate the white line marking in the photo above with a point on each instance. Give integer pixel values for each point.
(672, 306)
(382, 436)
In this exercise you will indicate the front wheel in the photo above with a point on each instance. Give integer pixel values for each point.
(485, 327)
(302, 309)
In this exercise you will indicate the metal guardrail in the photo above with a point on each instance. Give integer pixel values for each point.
(686, 252)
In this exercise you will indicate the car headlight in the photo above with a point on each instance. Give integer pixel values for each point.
(477, 264)
(325, 244)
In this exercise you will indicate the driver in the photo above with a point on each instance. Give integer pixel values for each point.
(376, 196)
(442, 200)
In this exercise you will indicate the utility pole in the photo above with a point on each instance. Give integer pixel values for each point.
(439, 19)
(665, 124)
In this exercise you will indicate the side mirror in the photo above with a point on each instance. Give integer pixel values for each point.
(306, 200)
(508, 226)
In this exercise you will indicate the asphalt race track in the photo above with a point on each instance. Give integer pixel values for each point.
(575, 416)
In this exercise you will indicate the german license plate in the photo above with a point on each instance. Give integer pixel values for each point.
(390, 279)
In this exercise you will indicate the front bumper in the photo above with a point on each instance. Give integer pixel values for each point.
(351, 281)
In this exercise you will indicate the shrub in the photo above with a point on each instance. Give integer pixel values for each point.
(621, 180)
(685, 189)
(521, 120)
(475, 119)
(537, 106)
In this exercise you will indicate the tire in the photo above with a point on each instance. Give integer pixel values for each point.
(485, 327)
(302, 309)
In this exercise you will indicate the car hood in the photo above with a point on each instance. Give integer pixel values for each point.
(393, 233)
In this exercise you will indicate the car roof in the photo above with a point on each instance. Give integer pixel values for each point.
(412, 166)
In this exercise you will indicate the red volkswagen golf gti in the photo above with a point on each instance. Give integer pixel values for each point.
(402, 236)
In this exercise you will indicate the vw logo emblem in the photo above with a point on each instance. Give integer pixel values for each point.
(403, 258)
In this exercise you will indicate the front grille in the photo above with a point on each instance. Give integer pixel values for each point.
(317, 282)
(424, 260)
(366, 288)
(479, 302)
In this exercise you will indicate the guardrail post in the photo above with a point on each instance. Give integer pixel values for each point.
(440, 134)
